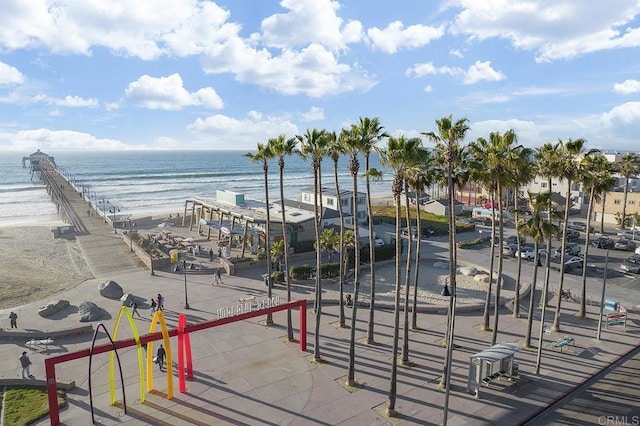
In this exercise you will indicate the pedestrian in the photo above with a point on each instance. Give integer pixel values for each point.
(211, 254)
(153, 306)
(218, 276)
(14, 319)
(25, 362)
(160, 357)
(160, 306)
(134, 308)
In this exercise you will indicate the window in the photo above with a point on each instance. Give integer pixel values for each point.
(616, 202)
(360, 201)
(345, 202)
(306, 197)
(632, 202)
(330, 201)
(543, 184)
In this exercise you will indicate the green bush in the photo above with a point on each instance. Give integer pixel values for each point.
(301, 272)
(330, 270)
(277, 277)
(475, 242)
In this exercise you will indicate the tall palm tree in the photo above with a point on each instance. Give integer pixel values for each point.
(395, 157)
(447, 140)
(370, 133)
(629, 166)
(281, 147)
(262, 156)
(497, 156)
(538, 229)
(329, 241)
(522, 174)
(335, 149)
(597, 175)
(313, 145)
(351, 145)
(277, 253)
(548, 166)
(573, 151)
(419, 178)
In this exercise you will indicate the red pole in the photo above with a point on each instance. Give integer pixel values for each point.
(303, 325)
(52, 391)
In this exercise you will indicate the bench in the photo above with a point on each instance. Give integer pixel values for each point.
(566, 340)
(487, 380)
(40, 342)
(250, 299)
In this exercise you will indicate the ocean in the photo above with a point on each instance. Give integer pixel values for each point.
(145, 182)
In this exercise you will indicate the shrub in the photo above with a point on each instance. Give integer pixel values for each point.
(301, 272)
(475, 242)
(330, 270)
(277, 277)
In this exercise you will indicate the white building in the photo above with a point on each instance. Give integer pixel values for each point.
(330, 201)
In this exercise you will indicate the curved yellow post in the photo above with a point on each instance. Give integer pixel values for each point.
(124, 310)
(158, 317)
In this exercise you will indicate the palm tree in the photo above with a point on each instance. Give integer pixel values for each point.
(447, 140)
(277, 253)
(572, 153)
(329, 242)
(419, 177)
(497, 156)
(335, 149)
(395, 156)
(313, 145)
(262, 156)
(522, 173)
(597, 175)
(629, 166)
(351, 146)
(370, 132)
(281, 147)
(537, 228)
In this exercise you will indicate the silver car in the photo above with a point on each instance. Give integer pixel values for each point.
(632, 264)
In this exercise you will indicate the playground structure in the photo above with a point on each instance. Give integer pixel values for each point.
(185, 365)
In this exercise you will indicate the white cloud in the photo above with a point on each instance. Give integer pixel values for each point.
(428, 88)
(395, 36)
(554, 30)
(314, 114)
(482, 71)
(168, 93)
(456, 53)
(309, 21)
(57, 140)
(419, 70)
(528, 132)
(68, 101)
(627, 87)
(625, 114)
(220, 131)
(10, 75)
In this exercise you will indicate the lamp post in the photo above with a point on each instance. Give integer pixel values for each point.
(130, 237)
(545, 288)
(113, 210)
(451, 324)
(604, 285)
(186, 300)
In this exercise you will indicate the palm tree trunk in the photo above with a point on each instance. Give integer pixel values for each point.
(391, 404)
(623, 218)
(532, 295)
(269, 320)
(372, 257)
(487, 302)
(567, 205)
(286, 253)
(582, 311)
(316, 349)
(414, 310)
(405, 338)
(499, 280)
(341, 269)
(604, 202)
(516, 297)
(356, 283)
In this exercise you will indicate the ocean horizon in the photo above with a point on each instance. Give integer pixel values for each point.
(145, 182)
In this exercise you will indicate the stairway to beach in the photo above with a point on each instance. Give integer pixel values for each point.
(103, 249)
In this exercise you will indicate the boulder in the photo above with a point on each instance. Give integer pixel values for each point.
(89, 311)
(126, 299)
(468, 271)
(110, 289)
(482, 277)
(441, 265)
(53, 307)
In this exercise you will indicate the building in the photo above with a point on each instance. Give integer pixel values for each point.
(441, 207)
(613, 206)
(330, 200)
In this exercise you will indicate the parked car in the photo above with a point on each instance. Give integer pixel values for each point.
(628, 234)
(632, 264)
(513, 239)
(528, 252)
(572, 235)
(572, 249)
(625, 244)
(603, 242)
(512, 249)
(579, 226)
(405, 231)
(572, 262)
(378, 242)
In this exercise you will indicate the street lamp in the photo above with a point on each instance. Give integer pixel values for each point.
(113, 210)
(545, 289)
(130, 237)
(186, 301)
(451, 324)
(604, 284)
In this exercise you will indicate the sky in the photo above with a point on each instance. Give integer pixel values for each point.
(228, 74)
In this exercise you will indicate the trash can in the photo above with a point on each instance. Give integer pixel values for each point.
(612, 305)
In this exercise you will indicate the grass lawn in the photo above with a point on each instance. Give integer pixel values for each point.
(24, 405)
(439, 224)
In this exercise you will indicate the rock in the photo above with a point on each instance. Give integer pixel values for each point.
(89, 311)
(110, 289)
(441, 265)
(468, 271)
(482, 277)
(126, 299)
(53, 307)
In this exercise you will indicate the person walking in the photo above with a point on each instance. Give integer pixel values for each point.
(13, 317)
(160, 306)
(134, 309)
(217, 277)
(25, 362)
(153, 306)
(211, 255)
(160, 357)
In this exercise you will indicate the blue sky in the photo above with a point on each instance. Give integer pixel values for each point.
(189, 74)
